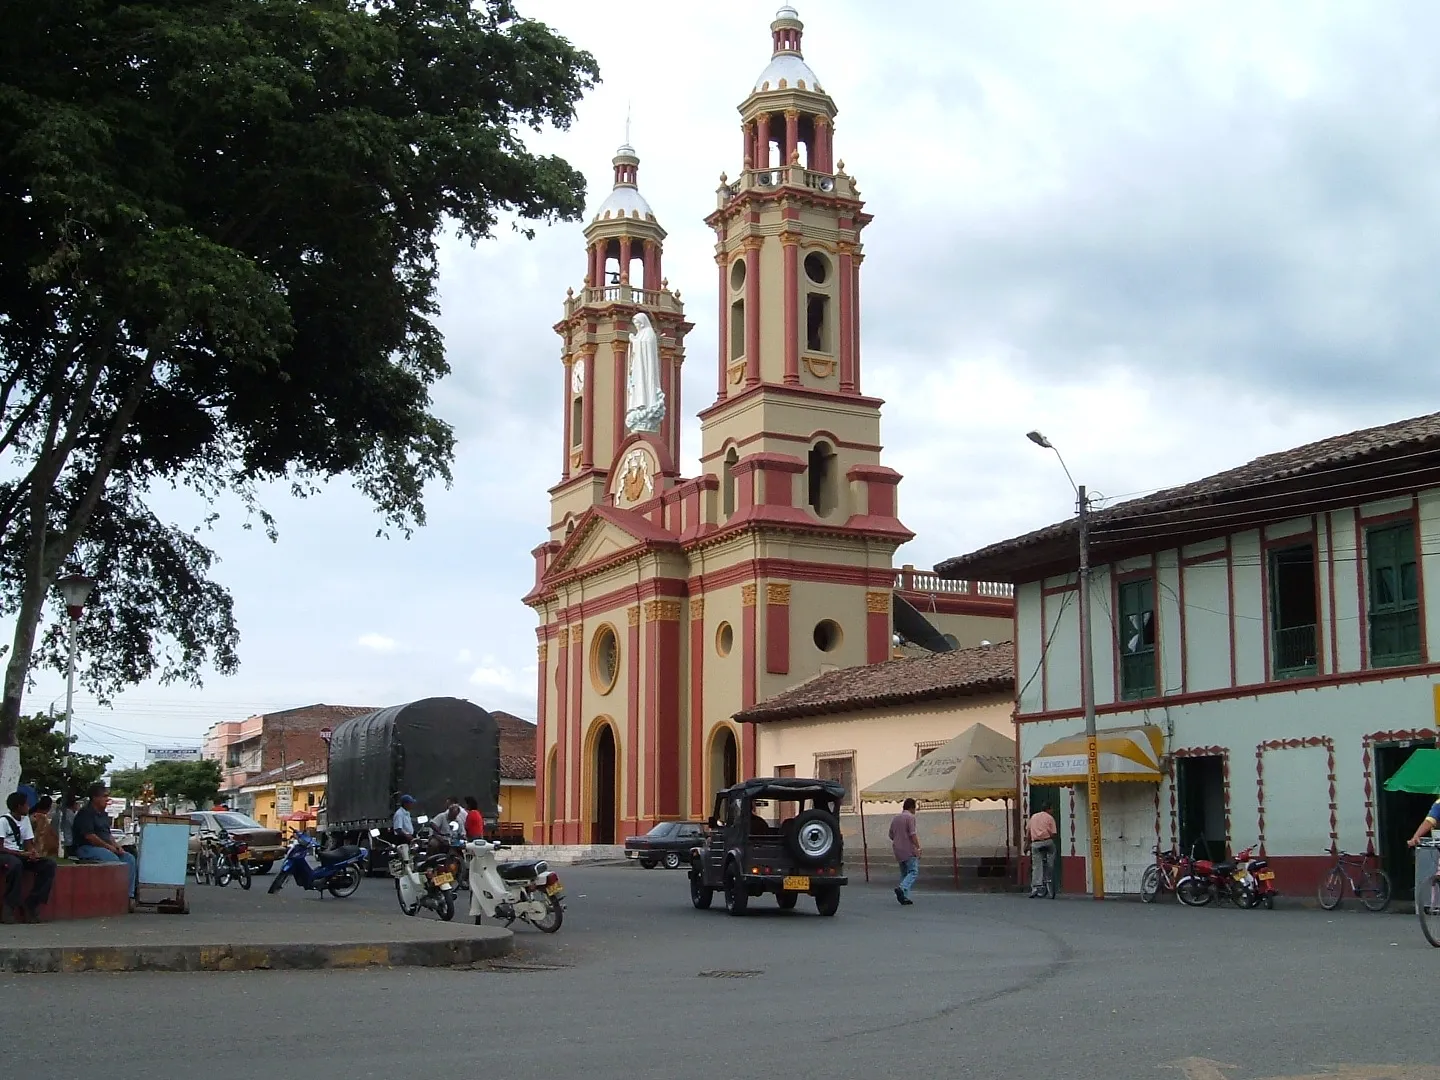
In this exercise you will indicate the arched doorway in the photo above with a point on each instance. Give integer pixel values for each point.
(724, 758)
(605, 786)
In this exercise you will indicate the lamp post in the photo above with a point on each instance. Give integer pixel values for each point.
(74, 590)
(1087, 671)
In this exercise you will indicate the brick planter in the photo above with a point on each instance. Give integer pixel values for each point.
(87, 891)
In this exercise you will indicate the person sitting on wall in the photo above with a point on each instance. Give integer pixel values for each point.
(94, 841)
(47, 840)
(20, 855)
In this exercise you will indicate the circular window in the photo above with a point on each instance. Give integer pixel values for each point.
(604, 659)
(724, 639)
(737, 274)
(817, 268)
(827, 635)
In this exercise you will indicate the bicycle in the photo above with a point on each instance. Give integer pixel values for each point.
(206, 860)
(1372, 886)
(1427, 900)
(1161, 876)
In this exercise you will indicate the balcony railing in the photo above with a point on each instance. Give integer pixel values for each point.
(658, 299)
(788, 176)
(923, 581)
(1294, 654)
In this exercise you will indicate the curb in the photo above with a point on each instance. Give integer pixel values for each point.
(291, 957)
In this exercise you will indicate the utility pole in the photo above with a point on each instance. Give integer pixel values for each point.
(1087, 700)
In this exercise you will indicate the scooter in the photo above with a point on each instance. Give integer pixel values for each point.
(338, 871)
(1256, 873)
(429, 884)
(529, 890)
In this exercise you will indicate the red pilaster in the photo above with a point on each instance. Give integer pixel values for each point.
(652, 265)
(632, 721)
(652, 718)
(621, 350)
(847, 319)
(792, 309)
(792, 135)
(574, 830)
(855, 364)
(587, 449)
(569, 434)
(752, 311)
(542, 750)
(562, 735)
(667, 706)
(722, 332)
(697, 707)
(625, 260)
(877, 627)
(762, 141)
(748, 660)
(673, 412)
(824, 145)
(777, 629)
(747, 145)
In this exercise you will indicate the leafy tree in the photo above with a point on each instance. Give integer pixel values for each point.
(127, 783)
(195, 781)
(219, 220)
(42, 752)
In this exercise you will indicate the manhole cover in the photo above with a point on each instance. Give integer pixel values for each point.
(730, 974)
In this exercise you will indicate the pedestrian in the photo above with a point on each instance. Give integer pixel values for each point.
(1041, 830)
(19, 855)
(69, 807)
(474, 819)
(94, 840)
(905, 839)
(1427, 826)
(403, 823)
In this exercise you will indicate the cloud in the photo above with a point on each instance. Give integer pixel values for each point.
(492, 675)
(378, 643)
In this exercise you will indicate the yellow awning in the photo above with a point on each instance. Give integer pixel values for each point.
(1124, 754)
(979, 763)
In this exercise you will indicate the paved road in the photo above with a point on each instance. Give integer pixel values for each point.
(973, 986)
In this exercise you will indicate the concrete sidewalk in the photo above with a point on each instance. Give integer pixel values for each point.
(233, 930)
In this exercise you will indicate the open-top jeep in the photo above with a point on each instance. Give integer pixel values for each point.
(745, 855)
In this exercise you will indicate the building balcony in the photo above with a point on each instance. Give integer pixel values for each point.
(794, 176)
(1293, 652)
(908, 579)
(629, 295)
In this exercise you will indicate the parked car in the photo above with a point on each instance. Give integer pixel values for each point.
(671, 844)
(745, 855)
(266, 845)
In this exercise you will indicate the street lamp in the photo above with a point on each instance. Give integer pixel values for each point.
(74, 590)
(1087, 670)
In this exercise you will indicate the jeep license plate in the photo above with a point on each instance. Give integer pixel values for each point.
(796, 884)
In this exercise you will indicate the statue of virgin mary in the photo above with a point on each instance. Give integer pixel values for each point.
(645, 400)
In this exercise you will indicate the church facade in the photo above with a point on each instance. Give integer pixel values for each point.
(667, 604)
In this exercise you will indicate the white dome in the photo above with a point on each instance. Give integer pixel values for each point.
(624, 201)
(792, 69)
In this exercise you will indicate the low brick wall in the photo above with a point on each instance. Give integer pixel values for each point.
(86, 891)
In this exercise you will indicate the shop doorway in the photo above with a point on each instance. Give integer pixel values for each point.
(602, 829)
(1048, 798)
(1397, 815)
(1200, 798)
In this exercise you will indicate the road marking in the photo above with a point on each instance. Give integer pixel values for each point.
(1197, 1068)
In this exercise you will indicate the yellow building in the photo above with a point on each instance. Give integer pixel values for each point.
(308, 791)
(668, 604)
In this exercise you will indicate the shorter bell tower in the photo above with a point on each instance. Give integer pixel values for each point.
(624, 247)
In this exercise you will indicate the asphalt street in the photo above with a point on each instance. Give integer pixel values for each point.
(637, 984)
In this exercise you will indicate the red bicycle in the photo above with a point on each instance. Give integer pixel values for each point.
(1162, 876)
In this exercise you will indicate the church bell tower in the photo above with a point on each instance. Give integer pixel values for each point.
(624, 246)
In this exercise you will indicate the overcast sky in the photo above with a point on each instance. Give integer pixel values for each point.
(1172, 236)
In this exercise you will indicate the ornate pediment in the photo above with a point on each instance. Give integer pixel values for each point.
(602, 535)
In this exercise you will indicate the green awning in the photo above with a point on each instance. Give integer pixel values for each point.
(1420, 774)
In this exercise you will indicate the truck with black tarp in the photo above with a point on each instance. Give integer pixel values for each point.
(430, 749)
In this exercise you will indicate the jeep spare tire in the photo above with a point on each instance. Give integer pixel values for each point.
(813, 837)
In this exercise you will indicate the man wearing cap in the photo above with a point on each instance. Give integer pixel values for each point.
(402, 824)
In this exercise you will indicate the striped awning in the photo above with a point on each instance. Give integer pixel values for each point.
(1124, 754)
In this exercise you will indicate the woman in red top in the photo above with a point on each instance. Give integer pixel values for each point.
(474, 820)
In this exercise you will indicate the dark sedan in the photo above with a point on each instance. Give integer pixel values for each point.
(668, 844)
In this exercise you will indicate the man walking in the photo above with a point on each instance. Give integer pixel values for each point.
(1041, 830)
(905, 839)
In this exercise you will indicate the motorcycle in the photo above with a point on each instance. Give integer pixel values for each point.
(1205, 881)
(338, 871)
(232, 860)
(529, 890)
(430, 883)
(1255, 872)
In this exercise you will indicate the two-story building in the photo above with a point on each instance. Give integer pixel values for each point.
(1262, 658)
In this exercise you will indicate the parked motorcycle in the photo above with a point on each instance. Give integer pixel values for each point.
(528, 890)
(429, 883)
(1205, 881)
(1255, 873)
(338, 871)
(232, 860)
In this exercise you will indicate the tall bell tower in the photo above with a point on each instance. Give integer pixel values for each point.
(624, 246)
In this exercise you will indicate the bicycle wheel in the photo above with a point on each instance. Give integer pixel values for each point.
(1427, 907)
(1331, 889)
(1375, 893)
(202, 869)
(1192, 892)
(1150, 884)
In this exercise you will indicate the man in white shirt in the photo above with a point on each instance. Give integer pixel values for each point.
(19, 856)
(402, 824)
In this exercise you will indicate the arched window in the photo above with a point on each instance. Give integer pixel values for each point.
(577, 421)
(727, 481)
(737, 329)
(823, 484)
